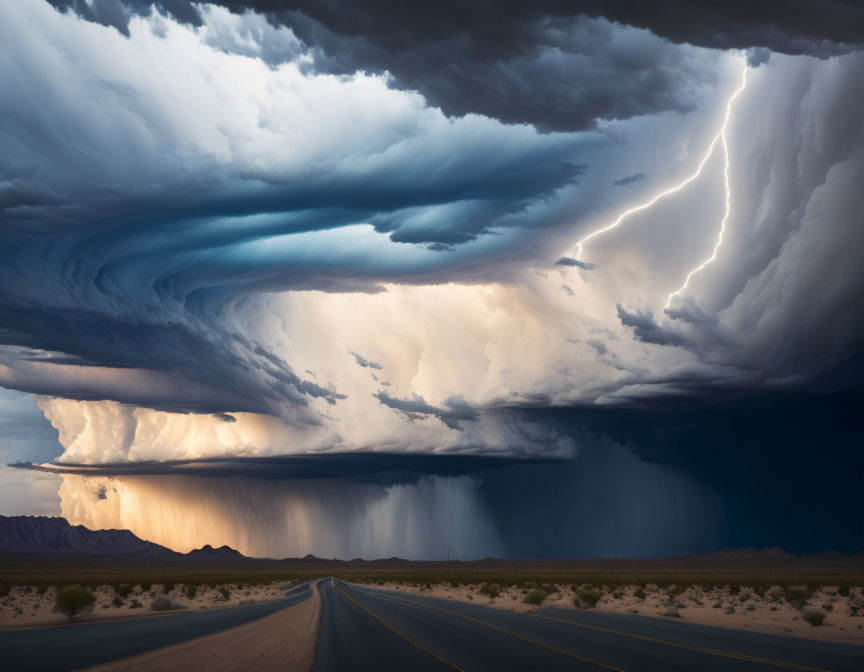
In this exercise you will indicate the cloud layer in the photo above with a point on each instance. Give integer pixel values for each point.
(557, 65)
(234, 234)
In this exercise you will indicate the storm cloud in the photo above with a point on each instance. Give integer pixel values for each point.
(557, 65)
(343, 243)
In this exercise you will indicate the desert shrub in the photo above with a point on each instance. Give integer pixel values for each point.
(75, 601)
(535, 597)
(4, 590)
(169, 587)
(226, 594)
(798, 594)
(490, 591)
(135, 604)
(814, 618)
(843, 590)
(639, 593)
(162, 604)
(123, 590)
(190, 591)
(590, 597)
(117, 601)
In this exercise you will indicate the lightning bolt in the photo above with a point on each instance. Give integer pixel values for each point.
(720, 139)
(728, 205)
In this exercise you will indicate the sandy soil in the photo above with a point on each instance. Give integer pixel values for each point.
(742, 609)
(283, 642)
(25, 606)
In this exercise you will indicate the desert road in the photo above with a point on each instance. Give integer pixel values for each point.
(368, 629)
(80, 645)
(363, 628)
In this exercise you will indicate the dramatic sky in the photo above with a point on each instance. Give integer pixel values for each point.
(614, 244)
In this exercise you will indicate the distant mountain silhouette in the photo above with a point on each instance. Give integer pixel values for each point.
(209, 552)
(770, 553)
(40, 534)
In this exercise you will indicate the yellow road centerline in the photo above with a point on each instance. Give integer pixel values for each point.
(508, 632)
(716, 652)
(401, 634)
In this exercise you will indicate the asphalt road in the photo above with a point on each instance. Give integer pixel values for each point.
(363, 628)
(367, 629)
(74, 646)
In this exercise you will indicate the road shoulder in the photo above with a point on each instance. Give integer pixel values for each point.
(283, 642)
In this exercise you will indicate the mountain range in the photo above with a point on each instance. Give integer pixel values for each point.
(41, 534)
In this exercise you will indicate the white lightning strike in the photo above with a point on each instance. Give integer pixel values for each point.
(719, 138)
(728, 206)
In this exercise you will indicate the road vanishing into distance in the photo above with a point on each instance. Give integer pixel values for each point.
(364, 628)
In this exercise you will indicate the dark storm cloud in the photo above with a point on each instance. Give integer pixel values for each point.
(761, 322)
(135, 249)
(630, 179)
(691, 313)
(455, 410)
(570, 261)
(557, 65)
(365, 363)
(598, 345)
(125, 245)
(359, 467)
(646, 329)
(752, 452)
(195, 368)
(117, 13)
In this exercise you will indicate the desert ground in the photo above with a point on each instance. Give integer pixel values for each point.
(29, 605)
(777, 597)
(775, 611)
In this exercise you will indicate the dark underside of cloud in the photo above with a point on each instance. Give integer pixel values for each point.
(520, 62)
(358, 467)
(779, 472)
(785, 468)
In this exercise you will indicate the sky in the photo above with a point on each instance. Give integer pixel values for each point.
(612, 249)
